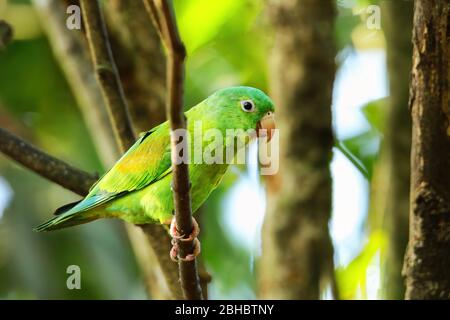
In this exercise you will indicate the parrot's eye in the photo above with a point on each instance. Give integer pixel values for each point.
(248, 105)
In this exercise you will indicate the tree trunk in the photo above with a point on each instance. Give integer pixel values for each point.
(297, 251)
(397, 24)
(427, 263)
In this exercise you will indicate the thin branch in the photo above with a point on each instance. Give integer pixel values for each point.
(117, 107)
(152, 10)
(106, 72)
(140, 60)
(45, 165)
(154, 233)
(163, 16)
(205, 280)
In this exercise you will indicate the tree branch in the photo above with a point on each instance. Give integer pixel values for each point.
(45, 165)
(117, 107)
(106, 72)
(140, 61)
(152, 10)
(162, 14)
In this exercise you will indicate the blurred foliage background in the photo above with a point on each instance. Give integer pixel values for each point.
(228, 43)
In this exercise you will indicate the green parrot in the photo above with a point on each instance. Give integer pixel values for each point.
(137, 188)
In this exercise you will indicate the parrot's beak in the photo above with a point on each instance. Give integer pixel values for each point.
(268, 124)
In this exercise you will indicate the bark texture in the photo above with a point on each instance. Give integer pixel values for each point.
(140, 60)
(297, 251)
(162, 13)
(427, 263)
(396, 149)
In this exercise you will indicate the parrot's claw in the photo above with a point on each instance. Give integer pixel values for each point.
(174, 253)
(176, 235)
(190, 257)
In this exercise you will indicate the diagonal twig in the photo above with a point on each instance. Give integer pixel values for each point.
(140, 61)
(106, 72)
(154, 14)
(45, 165)
(163, 17)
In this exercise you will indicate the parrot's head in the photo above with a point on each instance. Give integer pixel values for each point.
(243, 108)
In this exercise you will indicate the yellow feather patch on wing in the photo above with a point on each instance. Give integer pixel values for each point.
(145, 162)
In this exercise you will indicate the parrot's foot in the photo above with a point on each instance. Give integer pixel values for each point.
(175, 234)
(190, 257)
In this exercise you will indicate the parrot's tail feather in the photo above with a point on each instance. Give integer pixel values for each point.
(64, 221)
(66, 208)
(75, 213)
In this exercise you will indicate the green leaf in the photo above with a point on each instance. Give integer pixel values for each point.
(375, 114)
(346, 21)
(352, 278)
(341, 146)
(200, 21)
(362, 149)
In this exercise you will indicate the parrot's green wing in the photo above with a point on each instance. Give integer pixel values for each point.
(147, 161)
